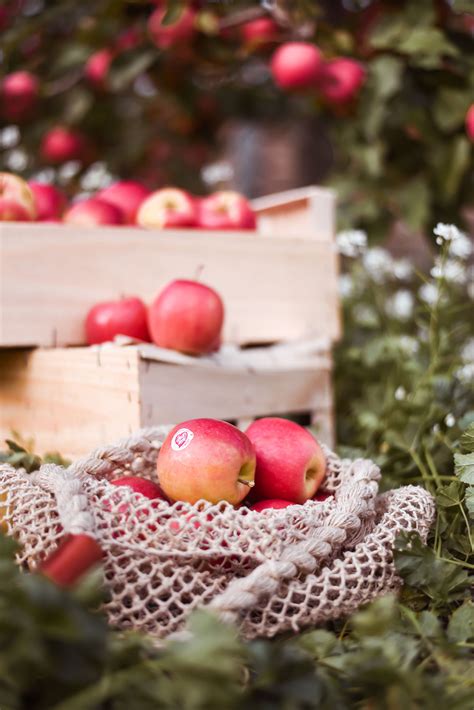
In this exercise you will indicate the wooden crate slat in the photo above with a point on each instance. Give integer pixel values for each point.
(52, 274)
(76, 399)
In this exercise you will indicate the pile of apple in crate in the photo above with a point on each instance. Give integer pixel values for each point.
(213, 315)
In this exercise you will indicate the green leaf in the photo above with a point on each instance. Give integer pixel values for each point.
(174, 8)
(450, 108)
(464, 467)
(469, 500)
(450, 495)
(124, 71)
(467, 440)
(461, 624)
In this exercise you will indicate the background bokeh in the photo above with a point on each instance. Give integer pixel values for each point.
(203, 112)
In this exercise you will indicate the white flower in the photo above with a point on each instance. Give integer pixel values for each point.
(378, 263)
(428, 293)
(402, 269)
(461, 248)
(69, 170)
(450, 270)
(96, 177)
(465, 374)
(400, 393)
(448, 232)
(346, 285)
(449, 420)
(467, 351)
(9, 137)
(17, 160)
(365, 315)
(401, 305)
(408, 344)
(351, 242)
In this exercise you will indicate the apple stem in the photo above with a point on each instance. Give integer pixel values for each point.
(250, 484)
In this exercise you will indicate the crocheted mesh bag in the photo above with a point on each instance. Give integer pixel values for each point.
(268, 572)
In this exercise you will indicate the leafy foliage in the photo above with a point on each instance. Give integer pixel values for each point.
(403, 376)
(400, 150)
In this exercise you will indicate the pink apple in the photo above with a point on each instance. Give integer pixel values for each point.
(19, 95)
(140, 485)
(50, 201)
(97, 67)
(168, 208)
(178, 32)
(127, 195)
(296, 65)
(260, 31)
(470, 123)
(206, 459)
(105, 320)
(61, 144)
(17, 202)
(341, 80)
(92, 212)
(274, 504)
(186, 316)
(290, 462)
(225, 210)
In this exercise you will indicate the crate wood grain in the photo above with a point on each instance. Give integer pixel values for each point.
(273, 288)
(75, 399)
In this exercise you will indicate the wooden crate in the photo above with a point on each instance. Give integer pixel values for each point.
(278, 283)
(75, 399)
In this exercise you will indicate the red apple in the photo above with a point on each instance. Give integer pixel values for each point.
(290, 462)
(92, 212)
(260, 31)
(341, 80)
(321, 496)
(225, 210)
(105, 320)
(19, 95)
(206, 459)
(470, 123)
(97, 67)
(168, 208)
(50, 201)
(140, 485)
(127, 195)
(274, 503)
(180, 31)
(186, 316)
(61, 144)
(17, 202)
(296, 65)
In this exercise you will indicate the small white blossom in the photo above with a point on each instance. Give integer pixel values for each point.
(465, 374)
(409, 345)
(428, 293)
(400, 393)
(435, 428)
(17, 160)
(214, 173)
(351, 242)
(448, 232)
(9, 137)
(449, 420)
(378, 263)
(467, 350)
(450, 270)
(46, 175)
(461, 248)
(401, 305)
(69, 170)
(96, 177)
(346, 285)
(402, 269)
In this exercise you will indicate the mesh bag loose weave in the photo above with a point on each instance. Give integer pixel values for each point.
(267, 572)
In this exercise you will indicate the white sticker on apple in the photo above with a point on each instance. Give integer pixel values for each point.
(182, 439)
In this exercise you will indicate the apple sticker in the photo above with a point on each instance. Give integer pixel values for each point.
(182, 439)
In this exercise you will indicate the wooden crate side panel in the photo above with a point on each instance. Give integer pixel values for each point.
(171, 393)
(52, 275)
(69, 400)
(304, 213)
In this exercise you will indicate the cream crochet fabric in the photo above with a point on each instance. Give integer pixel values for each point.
(267, 572)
